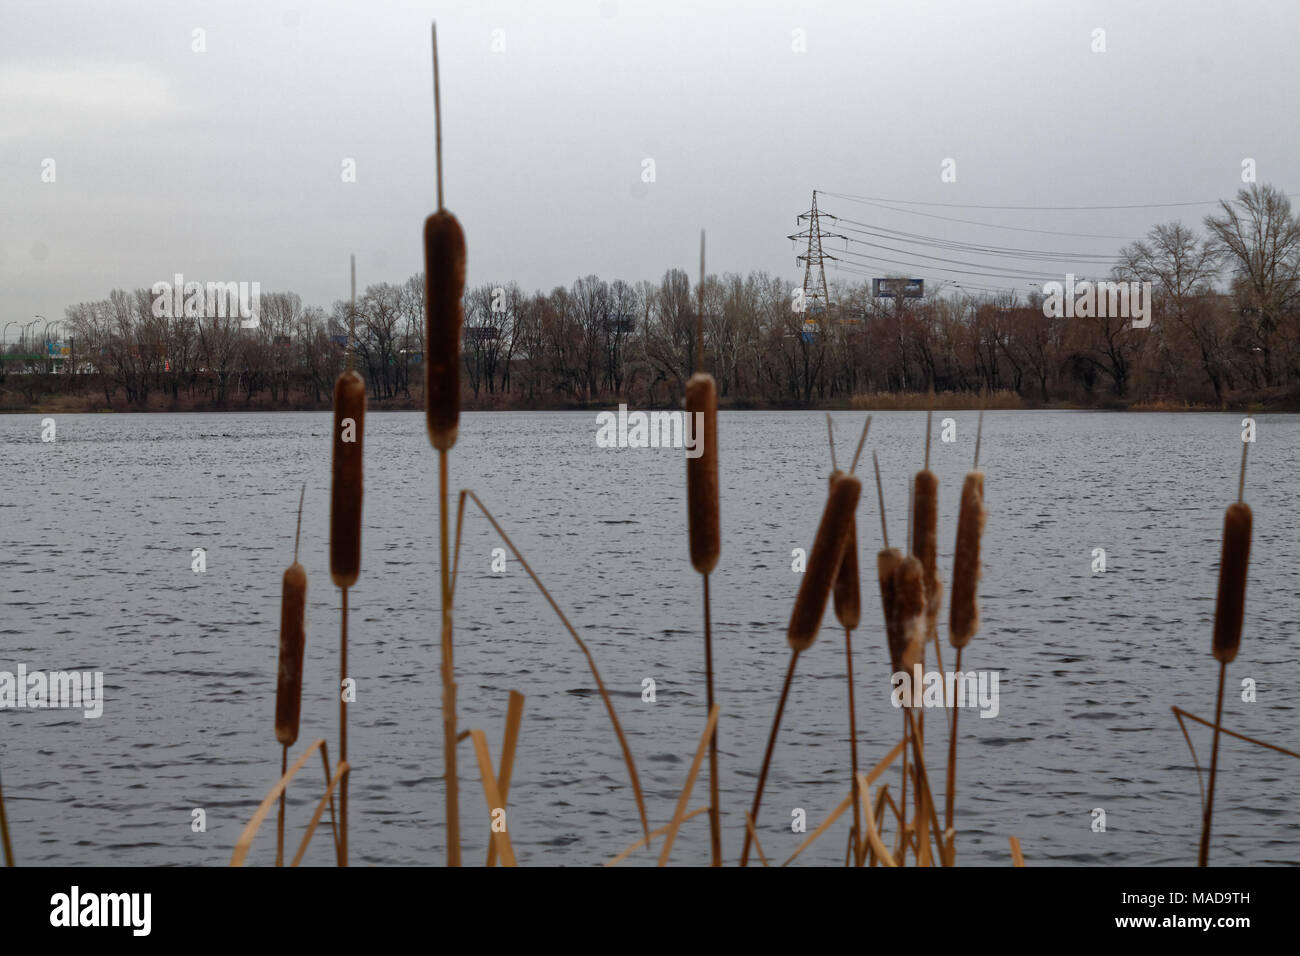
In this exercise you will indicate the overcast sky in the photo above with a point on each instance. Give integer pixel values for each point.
(226, 164)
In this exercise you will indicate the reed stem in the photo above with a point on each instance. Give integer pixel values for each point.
(830, 431)
(853, 746)
(4, 832)
(699, 315)
(437, 113)
(880, 495)
(927, 814)
(343, 732)
(952, 759)
(1241, 481)
(929, 416)
(279, 830)
(1180, 714)
(297, 535)
(448, 677)
(767, 756)
(902, 800)
(1214, 769)
(862, 440)
(715, 812)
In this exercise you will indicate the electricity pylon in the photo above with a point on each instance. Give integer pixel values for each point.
(815, 295)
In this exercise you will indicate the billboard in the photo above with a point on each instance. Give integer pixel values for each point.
(894, 288)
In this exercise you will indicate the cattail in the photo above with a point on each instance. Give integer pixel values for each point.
(925, 534)
(887, 562)
(848, 597)
(964, 615)
(345, 491)
(288, 688)
(827, 552)
(702, 474)
(1235, 558)
(444, 284)
(909, 611)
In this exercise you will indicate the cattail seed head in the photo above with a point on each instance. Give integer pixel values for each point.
(293, 638)
(1230, 610)
(964, 615)
(847, 591)
(887, 562)
(909, 610)
(345, 486)
(702, 474)
(925, 539)
(444, 285)
(823, 562)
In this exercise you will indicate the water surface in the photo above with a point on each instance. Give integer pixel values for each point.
(96, 532)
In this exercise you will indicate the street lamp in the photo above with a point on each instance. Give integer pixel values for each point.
(25, 340)
(45, 340)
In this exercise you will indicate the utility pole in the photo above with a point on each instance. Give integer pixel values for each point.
(814, 286)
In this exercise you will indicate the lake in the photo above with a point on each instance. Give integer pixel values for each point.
(97, 530)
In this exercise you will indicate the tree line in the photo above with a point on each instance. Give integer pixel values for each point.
(1225, 328)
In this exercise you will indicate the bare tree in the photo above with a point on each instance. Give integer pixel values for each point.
(1259, 239)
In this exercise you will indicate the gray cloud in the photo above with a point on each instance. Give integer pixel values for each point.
(226, 164)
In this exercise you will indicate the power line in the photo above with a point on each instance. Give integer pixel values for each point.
(860, 233)
(993, 272)
(957, 205)
(955, 245)
(987, 225)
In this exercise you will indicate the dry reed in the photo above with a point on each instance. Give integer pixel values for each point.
(514, 715)
(684, 798)
(495, 801)
(245, 841)
(582, 646)
(340, 774)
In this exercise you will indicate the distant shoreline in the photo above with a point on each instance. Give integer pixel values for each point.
(863, 403)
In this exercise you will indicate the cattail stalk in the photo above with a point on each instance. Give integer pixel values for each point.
(345, 539)
(767, 754)
(810, 605)
(848, 611)
(288, 691)
(705, 531)
(1229, 614)
(887, 563)
(4, 832)
(444, 286)
(963, 616)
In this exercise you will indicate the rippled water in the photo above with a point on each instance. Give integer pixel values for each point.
(96, 532)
